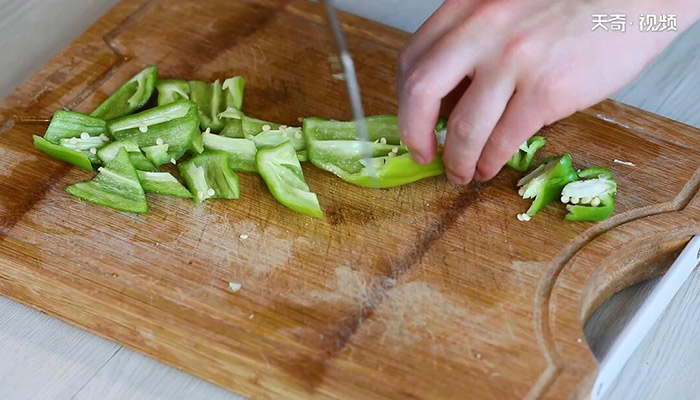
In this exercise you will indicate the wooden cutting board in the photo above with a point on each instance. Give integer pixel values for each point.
(425, 291)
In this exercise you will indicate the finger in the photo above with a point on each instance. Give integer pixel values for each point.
(431, 79)
(443, 20)
(472, 121)
(450, 101)
(519, 122)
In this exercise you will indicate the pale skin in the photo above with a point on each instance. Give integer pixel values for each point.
(524, 64)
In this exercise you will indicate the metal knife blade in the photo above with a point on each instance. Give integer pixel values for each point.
(644, 319)
(353, 87)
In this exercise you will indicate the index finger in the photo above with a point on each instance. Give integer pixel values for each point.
(426, 83)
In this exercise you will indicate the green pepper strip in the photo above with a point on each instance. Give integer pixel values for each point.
(546, 182)
(208, 175)
(70, 124)
(171, 90)
(158, 154)
(241, 152)
(522, 159)
(281, 171)
(63, 153)
(138, 160)
(116, 186)
(162, 183)
(175, 124)
(595, 193)
(130, 97)
(334, 147)
(86, 146)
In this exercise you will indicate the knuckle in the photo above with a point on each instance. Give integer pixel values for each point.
(404, 61)
(518, 51)
(490, 12)
(416, 84)
(462, 128)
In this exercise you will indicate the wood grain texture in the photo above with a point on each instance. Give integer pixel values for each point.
(423, 291)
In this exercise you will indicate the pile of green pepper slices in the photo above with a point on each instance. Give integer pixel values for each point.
(206, 121)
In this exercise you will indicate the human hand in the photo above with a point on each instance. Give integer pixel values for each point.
(530, 62)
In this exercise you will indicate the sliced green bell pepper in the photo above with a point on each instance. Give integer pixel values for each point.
(281, 171)
(162, 183)
(158, 154)
(208, 175)
(592, 198)
(116, 186)
(219, 105)
(522, 159)
(133, 95)
(63, 153)
(241, 152)
(546, 182)
(171, 90)
(154, 116)
(87, 146)
(274, 137)
(70, 124)
(175, 124)
(233, 92)
(254, 126)
(138, 160)
(335, 147)
(208, 97)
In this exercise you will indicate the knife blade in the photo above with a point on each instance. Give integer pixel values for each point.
(351, 84)
(644, 319)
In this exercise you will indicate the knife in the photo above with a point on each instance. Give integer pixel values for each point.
(353, 87)
(644, 319)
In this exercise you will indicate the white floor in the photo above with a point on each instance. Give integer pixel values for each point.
(44, 358)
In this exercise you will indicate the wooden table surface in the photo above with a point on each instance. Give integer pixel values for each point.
(41, 357)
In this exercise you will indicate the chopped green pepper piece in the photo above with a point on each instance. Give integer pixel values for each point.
(138, 160)
(175, 124)
(522, 159)
(130, 97)
(208, 97)
(141, 163)
(335, 147)
(380, 128)
(395, 171)
(272, 138)
(63, 153)
(233, 91)
(116, 186)
(69, 124)
(162, 183)
(171, 90)
(233, 129)
(109, 151)
(253, 126)
(218, 104)
(281, 171)
(241, 152)
(592, 198)
(153, 116)
(87, 146)
(158, 154)
(208, 175)
(546, 182)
